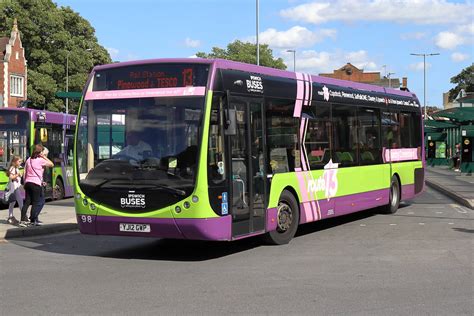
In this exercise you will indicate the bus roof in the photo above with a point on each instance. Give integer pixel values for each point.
(234, 65)
(46, 116)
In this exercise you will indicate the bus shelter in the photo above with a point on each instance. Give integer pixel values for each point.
(450, 127)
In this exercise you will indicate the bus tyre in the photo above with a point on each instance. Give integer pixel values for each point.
(394, 197)
(288, 218)
(59, 190)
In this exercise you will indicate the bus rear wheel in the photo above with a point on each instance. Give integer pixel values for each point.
(288, 218)
(59, 190)
(394, 198)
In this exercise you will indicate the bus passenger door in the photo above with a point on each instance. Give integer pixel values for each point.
(248, 177)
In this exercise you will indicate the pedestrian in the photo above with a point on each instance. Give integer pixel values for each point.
(457, 158)
(14, 187)
(34, 169)
(45, 153)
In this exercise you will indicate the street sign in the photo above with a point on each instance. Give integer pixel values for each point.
(71, 95)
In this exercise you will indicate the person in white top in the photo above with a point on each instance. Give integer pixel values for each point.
(14, 187)
(136, 149)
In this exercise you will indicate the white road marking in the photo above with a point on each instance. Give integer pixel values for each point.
(393, 224)
(421, 223)
(362, 225)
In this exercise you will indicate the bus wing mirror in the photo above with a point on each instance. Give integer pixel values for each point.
(231, 122)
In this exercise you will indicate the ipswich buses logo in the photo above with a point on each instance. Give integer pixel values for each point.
(327, 182)
(133, 201)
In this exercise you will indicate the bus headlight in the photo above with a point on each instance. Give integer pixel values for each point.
(84, 202)
(177, 209)
(186, 204)
(78, 196)
(93, 207)
(195, 199)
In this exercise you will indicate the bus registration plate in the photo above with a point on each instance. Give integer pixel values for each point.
(135, 228)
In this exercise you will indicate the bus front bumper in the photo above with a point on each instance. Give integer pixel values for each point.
(217, 228)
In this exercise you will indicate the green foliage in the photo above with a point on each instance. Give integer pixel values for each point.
(49, 35)
(246, 53)
(464, 80)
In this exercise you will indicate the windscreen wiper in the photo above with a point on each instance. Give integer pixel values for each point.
(170, 189)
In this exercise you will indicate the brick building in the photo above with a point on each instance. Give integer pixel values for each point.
(13, 70)
(352, 73)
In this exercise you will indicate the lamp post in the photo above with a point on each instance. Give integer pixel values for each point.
(258, 45)
(67, 81)
(294, 58)
(424, 76)
(390, 79)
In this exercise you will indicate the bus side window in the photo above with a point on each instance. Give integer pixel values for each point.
(390, 130)
(369, 136)
(282, 136)
(346, 144)
(318, 143)
(216, 165)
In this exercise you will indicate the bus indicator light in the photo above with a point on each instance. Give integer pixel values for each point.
(177, 209)
(195, 199)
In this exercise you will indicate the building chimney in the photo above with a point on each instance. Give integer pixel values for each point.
(404, 82)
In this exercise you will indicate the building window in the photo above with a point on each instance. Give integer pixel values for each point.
(16, 86)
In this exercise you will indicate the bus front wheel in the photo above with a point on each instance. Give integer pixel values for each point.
(394, 197)
(288, 217)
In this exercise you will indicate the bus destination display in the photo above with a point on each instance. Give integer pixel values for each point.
(151, 77)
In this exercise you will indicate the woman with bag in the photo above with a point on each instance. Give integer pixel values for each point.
(14, 186)
(34, 169)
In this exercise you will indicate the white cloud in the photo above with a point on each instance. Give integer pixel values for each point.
(458, 57)
(361, 60)
(315, 62)
(401, 11)
(188, 42)
(412, 36)
(419, 66)
(130, 57)
(114, 52)
(295, 37)
(467, 28)
(448, 40)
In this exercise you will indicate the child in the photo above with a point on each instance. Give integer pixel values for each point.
(14, 188)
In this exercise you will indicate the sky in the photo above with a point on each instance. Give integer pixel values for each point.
(374, 35)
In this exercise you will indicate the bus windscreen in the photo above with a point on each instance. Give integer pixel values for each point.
(151, 76)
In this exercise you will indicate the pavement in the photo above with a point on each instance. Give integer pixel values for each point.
(57, 216)
(456, 185)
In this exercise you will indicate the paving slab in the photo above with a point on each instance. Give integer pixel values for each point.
(57, 216)
(456, 185)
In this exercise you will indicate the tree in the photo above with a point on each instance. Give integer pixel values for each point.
(51, 34)
(464, 80)
(245, 52)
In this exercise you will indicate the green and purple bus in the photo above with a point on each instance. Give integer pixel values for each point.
(21, 128)
(221, 150)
